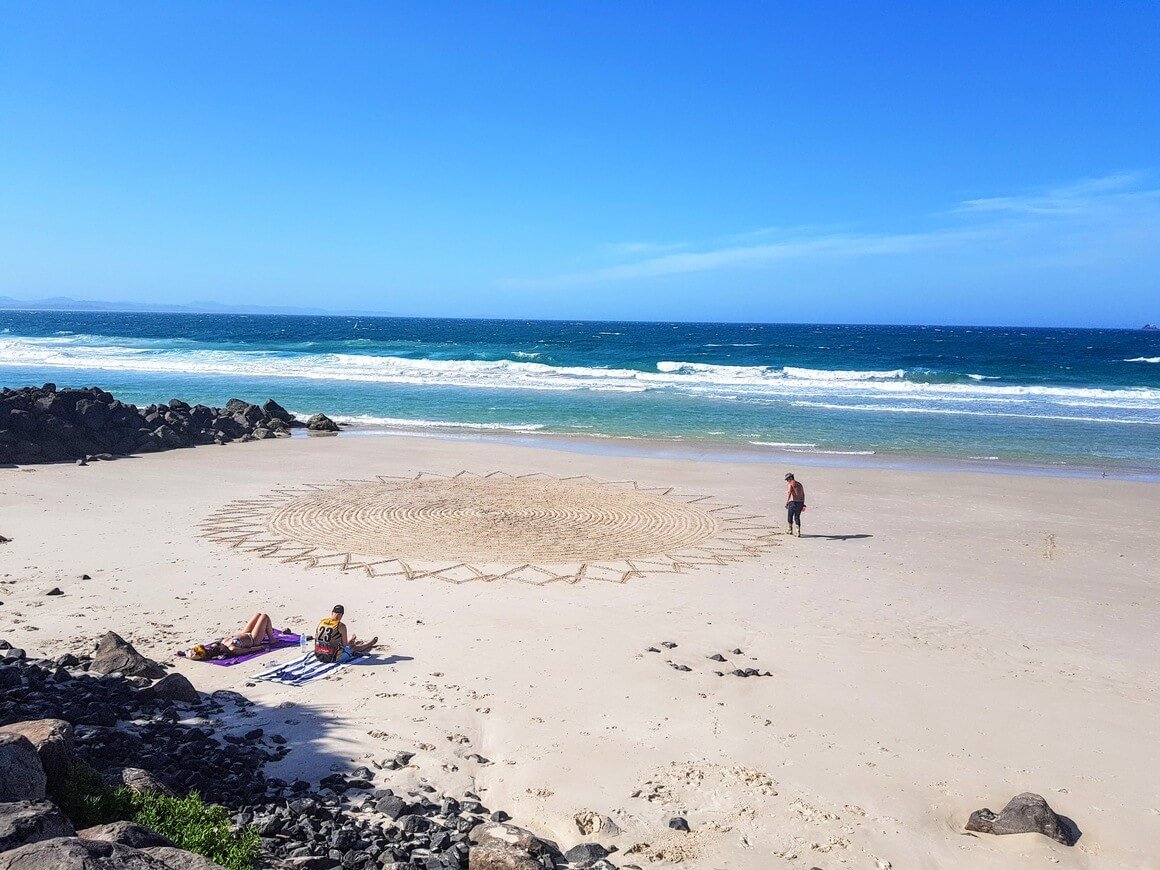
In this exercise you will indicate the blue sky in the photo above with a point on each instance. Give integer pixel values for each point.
(950, 163)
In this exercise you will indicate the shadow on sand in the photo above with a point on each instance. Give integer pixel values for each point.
(838, 537)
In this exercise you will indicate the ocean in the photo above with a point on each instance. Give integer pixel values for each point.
(1081, 399)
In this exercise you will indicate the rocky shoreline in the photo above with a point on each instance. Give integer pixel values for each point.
(121, 715)
(47, 424)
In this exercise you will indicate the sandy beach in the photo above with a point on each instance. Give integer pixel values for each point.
(938, 642)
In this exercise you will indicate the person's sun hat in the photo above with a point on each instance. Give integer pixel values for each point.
(789, 476)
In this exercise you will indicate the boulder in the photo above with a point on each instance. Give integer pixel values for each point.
(73, 853)
(494, 857)
(27, 822)
(1026, 813)
(276, 412)
(172, 687)
(321, 423)
(586, 853)
(499, 846)
(135, 779)
(21, 773)
(179, 859)
(125, 833)
(53, 741)
(589, 822)
(115, 654)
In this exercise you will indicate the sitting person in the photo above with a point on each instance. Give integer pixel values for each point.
(331, 642)
(259, 631)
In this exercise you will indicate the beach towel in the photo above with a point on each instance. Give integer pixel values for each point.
(282, 639)
(300, 671)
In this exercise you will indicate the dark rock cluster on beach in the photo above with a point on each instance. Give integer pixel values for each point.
(164, 736)
(46, 424)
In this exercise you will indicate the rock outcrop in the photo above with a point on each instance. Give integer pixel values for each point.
(117, 655)
(21, 773)
(27, 822)
(53, 741)
(46, 424)
(1025, 813)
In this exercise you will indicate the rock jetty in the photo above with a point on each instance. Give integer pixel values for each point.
(59, 712)
(47, 424)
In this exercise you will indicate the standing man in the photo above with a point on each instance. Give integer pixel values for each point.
(795, 500)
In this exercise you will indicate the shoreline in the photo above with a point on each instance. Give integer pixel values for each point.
(722, 451)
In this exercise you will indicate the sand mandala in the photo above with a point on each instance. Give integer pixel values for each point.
(531, 528)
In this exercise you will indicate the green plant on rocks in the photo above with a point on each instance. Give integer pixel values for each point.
(188, 821)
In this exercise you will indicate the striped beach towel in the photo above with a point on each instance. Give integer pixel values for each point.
(299, 672)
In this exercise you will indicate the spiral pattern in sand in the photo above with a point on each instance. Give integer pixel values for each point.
(492, 520)
(531, 528)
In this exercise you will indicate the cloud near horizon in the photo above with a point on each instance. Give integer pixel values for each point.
(1087, 212)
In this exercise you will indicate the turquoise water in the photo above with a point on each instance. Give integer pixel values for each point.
(1057, 397)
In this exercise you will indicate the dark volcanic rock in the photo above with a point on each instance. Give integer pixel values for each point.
(1025, 813)
(71, 853)
(125, 833)
(116, 655)
(29, 822)
(173, 687)
(679, 823)
(586, 853)
(321, 423)
(21, 773)
(44, 424)
(53, 741)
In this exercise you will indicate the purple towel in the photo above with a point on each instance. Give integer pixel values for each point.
(283, 639)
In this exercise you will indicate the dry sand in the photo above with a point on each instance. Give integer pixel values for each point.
(941, 642)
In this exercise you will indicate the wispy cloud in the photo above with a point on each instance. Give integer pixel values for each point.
(1113, 200)
(1090, 196)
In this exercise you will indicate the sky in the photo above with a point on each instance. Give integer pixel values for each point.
(981, 163)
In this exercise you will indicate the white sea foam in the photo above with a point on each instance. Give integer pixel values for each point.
(1144, 359)
(406, 423)
(719, 382)
(910, 409)
(780, 444)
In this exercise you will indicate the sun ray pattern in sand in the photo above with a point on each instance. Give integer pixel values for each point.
(531, 528)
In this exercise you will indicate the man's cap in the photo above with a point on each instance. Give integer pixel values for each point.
(789, 476)
(338, 608)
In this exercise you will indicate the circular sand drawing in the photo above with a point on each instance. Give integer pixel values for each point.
(531, 528)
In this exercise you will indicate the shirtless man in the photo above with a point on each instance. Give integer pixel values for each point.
(331, 642)
(795, 500)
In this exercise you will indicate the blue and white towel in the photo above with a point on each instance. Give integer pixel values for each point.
(299, 672)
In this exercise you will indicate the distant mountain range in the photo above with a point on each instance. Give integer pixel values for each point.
(64, 303)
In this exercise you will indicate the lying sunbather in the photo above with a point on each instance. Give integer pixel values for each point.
(259, 632)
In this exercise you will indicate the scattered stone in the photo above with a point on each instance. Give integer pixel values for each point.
(677, 667)
(589, 822)
(737, 652)
(86, 577)
(55, 590)
(586, 853)
(717, 657)
(668, 644)
(116, 655)
(652, 649)
(679, 823)
(1024, 814)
